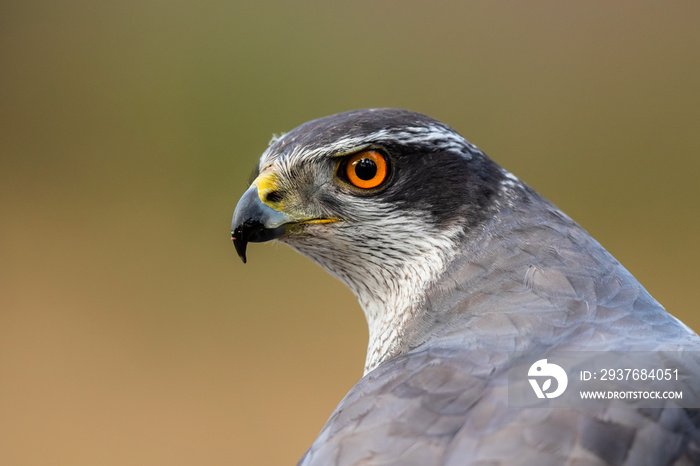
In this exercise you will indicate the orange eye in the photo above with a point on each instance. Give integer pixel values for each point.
(366, 169)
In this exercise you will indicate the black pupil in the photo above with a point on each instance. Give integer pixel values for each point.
(366, 169)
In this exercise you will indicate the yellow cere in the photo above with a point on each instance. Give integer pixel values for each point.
(267, 183)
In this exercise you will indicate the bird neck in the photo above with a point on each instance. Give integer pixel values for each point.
(390, 311)
(501, 287)
(396, 298)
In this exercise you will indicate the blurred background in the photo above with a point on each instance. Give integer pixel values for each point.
(130, 333)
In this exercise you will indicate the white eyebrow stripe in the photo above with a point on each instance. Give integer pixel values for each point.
(443, 137)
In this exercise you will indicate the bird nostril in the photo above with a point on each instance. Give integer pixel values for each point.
(273, 196)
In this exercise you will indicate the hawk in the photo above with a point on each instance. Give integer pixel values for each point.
(464, 274)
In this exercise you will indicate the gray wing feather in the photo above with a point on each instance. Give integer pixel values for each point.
(445, 401)
(430, 408)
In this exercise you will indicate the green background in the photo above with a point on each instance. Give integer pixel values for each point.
(130, 333)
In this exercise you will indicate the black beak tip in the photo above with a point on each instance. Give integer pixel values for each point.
(240, 244)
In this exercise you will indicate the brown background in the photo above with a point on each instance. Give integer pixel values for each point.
(129, 331)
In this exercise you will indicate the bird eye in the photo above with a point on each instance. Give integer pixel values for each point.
(367, 169)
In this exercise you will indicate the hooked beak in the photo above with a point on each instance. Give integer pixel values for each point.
(255, 222)
(257, 218)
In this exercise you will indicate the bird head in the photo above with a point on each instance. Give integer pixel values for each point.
(381, 198)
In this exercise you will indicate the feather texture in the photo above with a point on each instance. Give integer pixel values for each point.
(458, 265)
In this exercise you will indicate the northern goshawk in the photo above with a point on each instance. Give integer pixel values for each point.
(465, 275)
